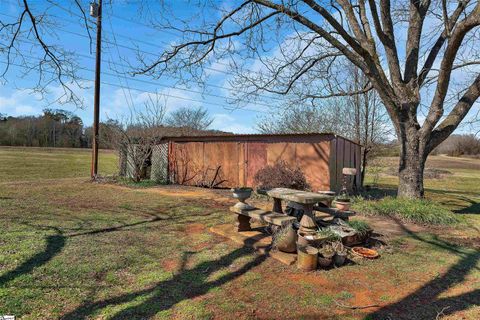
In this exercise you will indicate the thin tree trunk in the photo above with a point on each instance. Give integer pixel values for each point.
(364, 166)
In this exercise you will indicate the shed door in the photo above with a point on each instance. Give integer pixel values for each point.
(256, 155)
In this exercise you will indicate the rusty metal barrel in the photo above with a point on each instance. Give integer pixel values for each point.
(307, 258)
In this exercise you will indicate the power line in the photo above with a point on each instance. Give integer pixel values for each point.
(156, 55)
(124, 72)
(154, 83)
(137, 40)
(121, 45)
(162, 85)
(170, 76)
(226, 107)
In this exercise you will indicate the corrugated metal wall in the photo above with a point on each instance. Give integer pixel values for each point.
(343, 154)
(233, 161)
(232, 164)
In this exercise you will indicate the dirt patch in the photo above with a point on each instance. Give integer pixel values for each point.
(444, 162)
(170, 265)
(194, 228)
(453, 162)
(389, 227)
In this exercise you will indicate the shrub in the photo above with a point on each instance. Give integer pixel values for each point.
(281, 175)
(409, 210)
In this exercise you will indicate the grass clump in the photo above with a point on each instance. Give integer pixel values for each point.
(360, 226)
(328, 234)
(409, 210)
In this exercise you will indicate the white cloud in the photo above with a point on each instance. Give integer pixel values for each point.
(19, 102)
(24, 109)
(239, 128)
(228, 123)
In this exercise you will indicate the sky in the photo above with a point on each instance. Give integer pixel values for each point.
(124, 36)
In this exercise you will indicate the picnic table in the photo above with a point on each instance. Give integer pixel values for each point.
(307, 201)
(302, 199)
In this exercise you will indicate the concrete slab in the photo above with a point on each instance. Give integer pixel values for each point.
(256, 239)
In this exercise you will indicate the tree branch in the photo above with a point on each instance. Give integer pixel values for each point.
(418, 10)
(436, 108)
(432, 56)
(387, 37)
(461, 109)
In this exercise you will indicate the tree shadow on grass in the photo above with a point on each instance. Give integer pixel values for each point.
(184, 285)
(425, 302)
(56, 243)
(379, 192)
(473, 208)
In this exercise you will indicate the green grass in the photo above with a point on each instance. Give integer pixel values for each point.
(71, 249)
(457, 192)
(417, 211)
(140, 184)
(30, 164)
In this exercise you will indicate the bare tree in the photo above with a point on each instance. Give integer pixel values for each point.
(192, 118)
(458, 145)
(24, 44)
(313, 37)
(365, 118)
(136, 135)
(302, 119)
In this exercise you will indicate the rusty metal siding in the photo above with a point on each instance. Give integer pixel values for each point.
(256, 156)
(234, 162)
(221, 158)
(313, 159)
(339, 162)
(281, 151)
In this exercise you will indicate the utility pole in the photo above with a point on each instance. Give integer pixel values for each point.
(96, 11)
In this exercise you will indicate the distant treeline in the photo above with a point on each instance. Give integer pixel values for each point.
(456, 145)
(459, 145)
(54, 128)
(63, 129)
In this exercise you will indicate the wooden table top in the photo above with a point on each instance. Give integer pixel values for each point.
(298, 196)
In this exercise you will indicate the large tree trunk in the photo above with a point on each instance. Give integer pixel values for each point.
(412, 163)
(410, 176)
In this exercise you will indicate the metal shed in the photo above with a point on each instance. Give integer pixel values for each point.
(233, 160)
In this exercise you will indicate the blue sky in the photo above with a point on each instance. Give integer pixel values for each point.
(123, 35)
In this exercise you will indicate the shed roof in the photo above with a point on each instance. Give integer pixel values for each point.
(282, 137)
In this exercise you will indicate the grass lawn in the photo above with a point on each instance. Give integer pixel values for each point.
(70, 249)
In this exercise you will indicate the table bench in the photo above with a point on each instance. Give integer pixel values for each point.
(334, 212)
(301, 199)
(275, 218)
